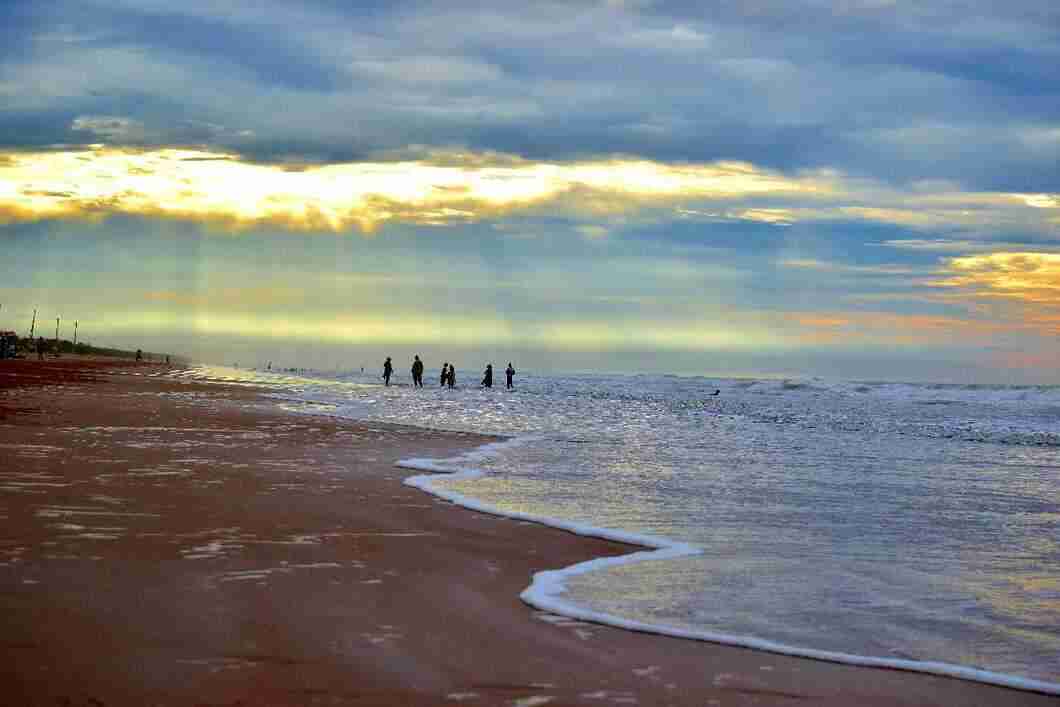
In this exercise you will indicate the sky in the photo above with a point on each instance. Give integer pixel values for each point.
(865, 189)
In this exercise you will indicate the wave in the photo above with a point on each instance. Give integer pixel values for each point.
(547, 588)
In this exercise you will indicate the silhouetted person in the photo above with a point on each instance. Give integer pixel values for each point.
(139, 355)
(388, 369)
(417, 372)
(452, 376)
(444, 378)
(509, 373)
(487, 376)
(40, 348)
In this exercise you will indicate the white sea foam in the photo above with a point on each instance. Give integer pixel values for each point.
(547, 589)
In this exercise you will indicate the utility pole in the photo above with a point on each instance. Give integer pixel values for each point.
(57, 337)
(34, 324)
(75, 336)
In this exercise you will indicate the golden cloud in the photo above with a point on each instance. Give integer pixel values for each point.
(1023, 286)
(891, 328)
(452, 187)
(1024, 276)
(223, 189)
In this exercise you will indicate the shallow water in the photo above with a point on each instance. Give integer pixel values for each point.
(902, 521)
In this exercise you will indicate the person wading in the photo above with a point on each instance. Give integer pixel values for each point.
(417, 372)
(388, 369)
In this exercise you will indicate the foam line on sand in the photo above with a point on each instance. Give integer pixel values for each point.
(547, 587)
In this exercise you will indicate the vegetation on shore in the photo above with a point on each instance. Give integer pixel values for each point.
(27, 347)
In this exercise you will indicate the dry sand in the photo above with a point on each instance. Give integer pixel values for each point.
(173, 543)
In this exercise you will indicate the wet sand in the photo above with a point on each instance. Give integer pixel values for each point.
(174, 543)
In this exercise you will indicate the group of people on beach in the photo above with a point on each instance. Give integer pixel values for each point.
(448, 376)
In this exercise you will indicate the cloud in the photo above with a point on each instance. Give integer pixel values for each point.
(943, 245)
(233, 297)
(1026, 276)
(1021, 287)
(110, 128)
(895, 329)
(584, 334)
(593, 231)
(938, 92)
(427, 69)
(227, 191)
(223, 189)
(981, 296)
(813, 264)
(678, 37)
(774, 216)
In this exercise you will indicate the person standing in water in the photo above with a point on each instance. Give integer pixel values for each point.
(417, 372)
(509, 373)
(487, 376)
(452, 376)
(388, 369)
(444, 378)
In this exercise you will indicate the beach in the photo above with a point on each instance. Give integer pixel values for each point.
(168, 542)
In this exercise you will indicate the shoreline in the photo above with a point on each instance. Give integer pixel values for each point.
(546, 588)
(168, 542)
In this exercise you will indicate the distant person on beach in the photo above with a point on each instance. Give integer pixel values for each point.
(139, 355)
(388, 369)
(417, 372)
(509, 373)
(40, 348)
(487, 376)
(452, 376)
(444, 378)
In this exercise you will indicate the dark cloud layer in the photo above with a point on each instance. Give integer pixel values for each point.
(899, 92)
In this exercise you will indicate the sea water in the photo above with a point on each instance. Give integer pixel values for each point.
(902, 524)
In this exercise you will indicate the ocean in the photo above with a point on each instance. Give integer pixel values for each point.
(908, 525)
